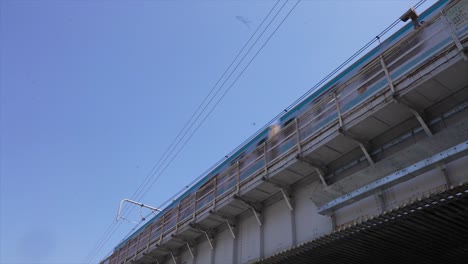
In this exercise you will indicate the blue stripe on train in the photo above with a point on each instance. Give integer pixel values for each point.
(390, 41)
(373, 53)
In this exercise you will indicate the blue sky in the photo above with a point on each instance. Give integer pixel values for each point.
(93, 92)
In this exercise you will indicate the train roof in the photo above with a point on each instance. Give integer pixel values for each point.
(312, 94)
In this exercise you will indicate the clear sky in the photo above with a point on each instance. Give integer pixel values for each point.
(93, 92)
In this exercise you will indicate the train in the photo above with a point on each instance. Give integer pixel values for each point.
(316, 111)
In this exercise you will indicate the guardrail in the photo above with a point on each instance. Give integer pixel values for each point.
(380, 76)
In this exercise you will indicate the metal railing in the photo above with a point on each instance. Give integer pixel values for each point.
(380, 76)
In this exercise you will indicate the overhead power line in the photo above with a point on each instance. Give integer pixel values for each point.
(214, 96)
(113, 226)
(190, 123)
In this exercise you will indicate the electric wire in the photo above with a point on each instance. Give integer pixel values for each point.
(341, 66)
(292, 105)
(386, 30)
(312, 89)
(211, 110)
(206, 106)
(111, 229)
(347, 61)
(175, 143)
(171, 147)
(232, 84)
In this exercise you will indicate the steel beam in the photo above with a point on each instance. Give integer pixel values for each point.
(285, 190)
(286, 198)
(250, 204)
(382, 201)
(397, 99)
(203, 231)
(163, 248)
(256, 211)
(333, 221)
(190, 250)
(393, 179)
(387, 74)
(230, 226)
(319, 169)
(173, 258)
(277, 184)
(228, 219)
(221, 215)
(443, 169)
(416, 113)
(362, 143)
(338, 109)
(186, 242)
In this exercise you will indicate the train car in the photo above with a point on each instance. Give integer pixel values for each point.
(366, 77)
(368, 70)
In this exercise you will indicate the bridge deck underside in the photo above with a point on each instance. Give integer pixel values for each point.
(380, 136)
(378, 122)
(432, 230)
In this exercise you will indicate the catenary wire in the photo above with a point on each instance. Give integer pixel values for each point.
(223, 95)
(326, 78)
(211, 110)
(313, 88)
(178, 137)
(367, 45)
(337, 69)
(206, 106)
(172, 147)
(110, 229)
(347, 61)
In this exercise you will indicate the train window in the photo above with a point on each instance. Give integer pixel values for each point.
(144, 237)
(288, 122)
(170, 219)
(156, 230)
(206, 188)
(186, 207)
(225, 181)
(205, 194)
(263, 140)
(235, 160)
(362, 89)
